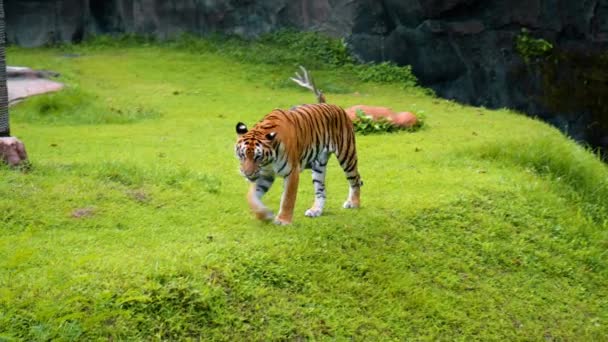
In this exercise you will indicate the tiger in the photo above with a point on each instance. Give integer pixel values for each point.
(284, 143)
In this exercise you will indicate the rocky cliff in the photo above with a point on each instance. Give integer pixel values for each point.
(464, 49)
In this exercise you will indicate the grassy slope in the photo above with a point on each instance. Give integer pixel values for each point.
(484, 225)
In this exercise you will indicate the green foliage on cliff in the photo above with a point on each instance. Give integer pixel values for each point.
(574, 82)
(309, 46)
(577, 81)
(386, 72)
(530, 48)
(485, 225)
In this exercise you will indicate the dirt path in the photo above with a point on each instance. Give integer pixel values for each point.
(24, 82)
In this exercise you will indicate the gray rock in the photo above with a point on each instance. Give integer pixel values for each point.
(464, 49)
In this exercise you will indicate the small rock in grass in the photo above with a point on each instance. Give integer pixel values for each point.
(83, 212)
(12, 151)
(139, 195)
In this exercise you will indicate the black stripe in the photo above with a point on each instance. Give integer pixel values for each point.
(319, 131)
(351, 165)
(327, 137)
(268, 179)
(313, 154)
(341, 149)
(282, 167)
(304, 158)
(350, 169)
(348, 161)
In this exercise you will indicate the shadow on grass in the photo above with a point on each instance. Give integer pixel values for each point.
(560, 160)
(74, 106)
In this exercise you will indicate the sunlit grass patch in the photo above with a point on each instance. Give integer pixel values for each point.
(482, 225)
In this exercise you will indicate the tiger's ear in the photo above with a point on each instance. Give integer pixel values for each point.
(270, 136)
(241, 128)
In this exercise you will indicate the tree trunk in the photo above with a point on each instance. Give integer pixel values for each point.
(4, 123)
(12, 151)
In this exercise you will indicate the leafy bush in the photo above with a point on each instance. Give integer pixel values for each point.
(529, 47)
(311, 45)
(386, 72)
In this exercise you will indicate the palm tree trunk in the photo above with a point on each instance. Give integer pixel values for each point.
(12, 151)
(4, 123)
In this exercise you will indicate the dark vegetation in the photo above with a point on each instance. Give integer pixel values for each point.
(574, 83)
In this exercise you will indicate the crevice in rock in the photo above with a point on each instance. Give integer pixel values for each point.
(103, 13)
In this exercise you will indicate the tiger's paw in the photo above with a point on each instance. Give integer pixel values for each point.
(313, 212)
(281, 221)
(350, 205)
(265, 215)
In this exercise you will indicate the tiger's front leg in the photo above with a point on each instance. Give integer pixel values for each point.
(288, 200)
(254, 197)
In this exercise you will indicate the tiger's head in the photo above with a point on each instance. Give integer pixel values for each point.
(254, 149)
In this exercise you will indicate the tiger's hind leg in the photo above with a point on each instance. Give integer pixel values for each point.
(348, 162)
(354, 191)
(318, 180)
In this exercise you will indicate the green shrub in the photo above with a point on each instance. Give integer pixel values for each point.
(529, 47)
(386, 72)
(311, 45)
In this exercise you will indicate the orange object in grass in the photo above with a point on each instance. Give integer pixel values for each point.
(402, 119)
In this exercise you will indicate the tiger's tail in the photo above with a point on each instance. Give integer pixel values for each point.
(305, 80)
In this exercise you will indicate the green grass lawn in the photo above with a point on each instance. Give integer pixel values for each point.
(132, 223)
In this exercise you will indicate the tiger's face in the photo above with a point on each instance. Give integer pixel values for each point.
(254, 150)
